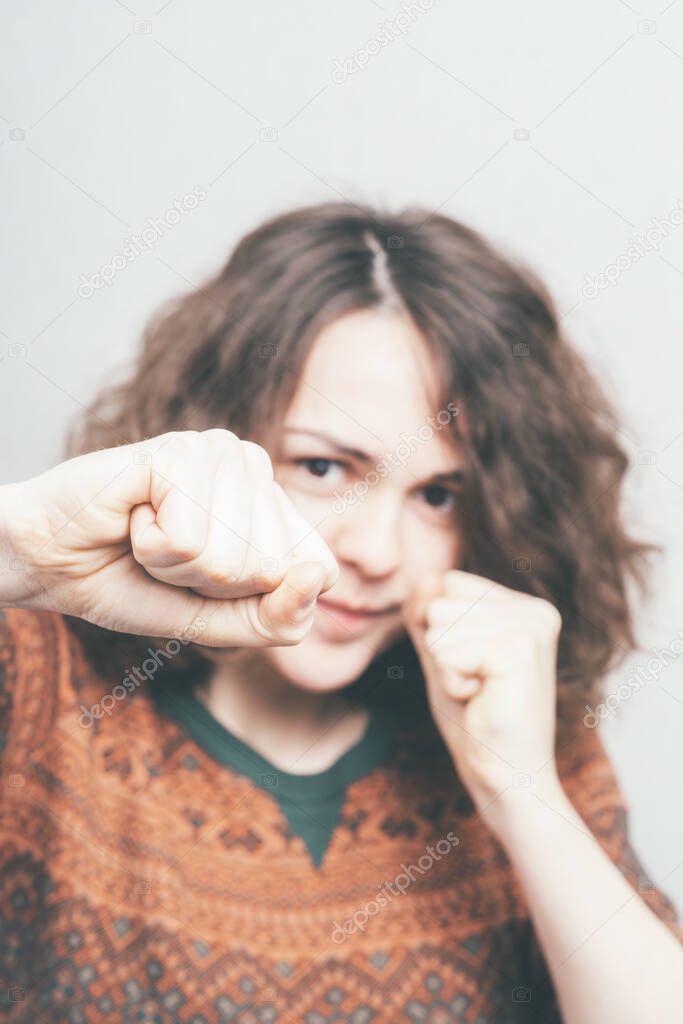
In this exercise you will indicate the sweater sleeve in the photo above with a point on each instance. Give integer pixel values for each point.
(34, 681)
(590, 782)
(589, 779)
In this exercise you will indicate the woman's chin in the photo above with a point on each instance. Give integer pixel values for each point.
(320, 666)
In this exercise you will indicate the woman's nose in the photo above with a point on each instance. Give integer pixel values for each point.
(368, 534)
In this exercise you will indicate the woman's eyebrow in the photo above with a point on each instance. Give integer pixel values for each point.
(321, 435)
(454, 476)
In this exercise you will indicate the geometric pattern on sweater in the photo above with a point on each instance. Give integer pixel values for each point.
(310, 803)
(144, 881)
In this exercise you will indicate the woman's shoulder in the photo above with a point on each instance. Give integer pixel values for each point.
(34, 653)
(38, 645)
(592, 784)
(25, 633)
(45, 678)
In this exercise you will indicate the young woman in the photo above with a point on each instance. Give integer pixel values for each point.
(297, 647)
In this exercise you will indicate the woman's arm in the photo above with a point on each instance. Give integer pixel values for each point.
(610, 958)
(152, 537)
(489, 655)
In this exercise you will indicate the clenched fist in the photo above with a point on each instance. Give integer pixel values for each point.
(144, 538)
(489, 657)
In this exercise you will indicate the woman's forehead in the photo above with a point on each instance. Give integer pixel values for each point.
(373, 367)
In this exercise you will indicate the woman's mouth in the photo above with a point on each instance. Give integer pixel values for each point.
(353, 619)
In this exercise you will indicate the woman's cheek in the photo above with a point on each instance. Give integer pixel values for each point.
(430, 548)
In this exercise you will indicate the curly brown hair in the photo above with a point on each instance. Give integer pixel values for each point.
(540, 505)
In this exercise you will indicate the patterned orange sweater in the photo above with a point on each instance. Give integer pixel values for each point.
(145, 881)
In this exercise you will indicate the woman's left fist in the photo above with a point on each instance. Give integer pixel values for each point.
(489, 658)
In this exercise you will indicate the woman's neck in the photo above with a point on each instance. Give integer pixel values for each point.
(297, 730)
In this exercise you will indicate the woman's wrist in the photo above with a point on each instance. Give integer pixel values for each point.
(18, 586)
(521, 812)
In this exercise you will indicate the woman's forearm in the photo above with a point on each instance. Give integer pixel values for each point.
(611, 960)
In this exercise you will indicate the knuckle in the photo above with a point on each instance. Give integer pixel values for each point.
(213, 575)
(225, 448)
(190, 438)
(163, 452)
(184, 548)
(259, 457)
(185, 440)
(432, 636)
(181, 437)
(220, 435)
(174, 449)
(549, 614)
(438, 609)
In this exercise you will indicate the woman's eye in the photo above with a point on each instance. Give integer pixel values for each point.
(440, 498)
(318, 467)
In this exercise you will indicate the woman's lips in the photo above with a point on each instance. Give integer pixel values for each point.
(352, 620)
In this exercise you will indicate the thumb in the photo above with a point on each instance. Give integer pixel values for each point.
(293, 602)
(415, 607)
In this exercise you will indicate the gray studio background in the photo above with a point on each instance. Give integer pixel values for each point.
(554, 128)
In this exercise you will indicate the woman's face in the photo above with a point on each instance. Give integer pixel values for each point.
(370, 465)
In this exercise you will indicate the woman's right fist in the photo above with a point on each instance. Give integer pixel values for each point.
(146, 537)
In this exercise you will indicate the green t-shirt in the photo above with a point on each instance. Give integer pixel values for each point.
(310, 803)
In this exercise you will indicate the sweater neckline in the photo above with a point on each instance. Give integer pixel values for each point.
(182, 705)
